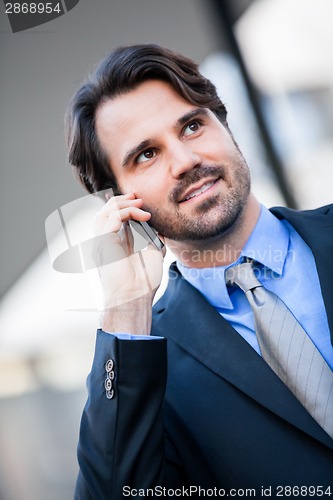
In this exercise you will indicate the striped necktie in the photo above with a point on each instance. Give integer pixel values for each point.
(286, 347)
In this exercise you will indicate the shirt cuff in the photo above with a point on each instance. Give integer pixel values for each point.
(129, 336)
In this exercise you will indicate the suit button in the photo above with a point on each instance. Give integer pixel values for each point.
(108, 384)
(109, 394)
(109, 390)
(109, 365)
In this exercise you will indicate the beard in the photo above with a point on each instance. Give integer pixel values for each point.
(215, 215)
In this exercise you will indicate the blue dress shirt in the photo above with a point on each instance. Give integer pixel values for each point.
(287, 268)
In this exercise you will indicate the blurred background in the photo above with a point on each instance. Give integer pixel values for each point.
(271, 61)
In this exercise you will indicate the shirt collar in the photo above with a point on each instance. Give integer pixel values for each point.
(268, 245)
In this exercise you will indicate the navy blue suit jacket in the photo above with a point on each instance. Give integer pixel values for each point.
(200, 407)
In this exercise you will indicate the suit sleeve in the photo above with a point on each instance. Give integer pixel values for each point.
(121, 435)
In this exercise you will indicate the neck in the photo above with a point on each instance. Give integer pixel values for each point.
(223, 249)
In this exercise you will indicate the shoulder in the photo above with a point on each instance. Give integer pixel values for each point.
(311, 225)
(289, 213)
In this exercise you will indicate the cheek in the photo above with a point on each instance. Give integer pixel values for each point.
(140, 189)
(150, 186)
(130, 184)
(151, 195)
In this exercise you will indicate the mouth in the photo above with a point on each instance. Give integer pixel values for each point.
(197, 192)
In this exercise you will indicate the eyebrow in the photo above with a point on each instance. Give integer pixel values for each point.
(194, 113)
(136, 150)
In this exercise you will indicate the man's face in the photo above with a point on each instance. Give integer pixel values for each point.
(177, 157)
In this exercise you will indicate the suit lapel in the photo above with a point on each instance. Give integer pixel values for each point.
(316, 229)
(184, 316)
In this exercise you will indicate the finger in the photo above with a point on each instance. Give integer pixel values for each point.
(118, 202)
(115, 220)
(110, 218)
(115, 206)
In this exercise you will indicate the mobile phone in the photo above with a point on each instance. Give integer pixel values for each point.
(146, 232)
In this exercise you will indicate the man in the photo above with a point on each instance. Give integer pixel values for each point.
(183, 397)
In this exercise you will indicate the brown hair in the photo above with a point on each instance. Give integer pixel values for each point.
(120, 72)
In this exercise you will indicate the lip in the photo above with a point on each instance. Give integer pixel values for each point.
(214, 180)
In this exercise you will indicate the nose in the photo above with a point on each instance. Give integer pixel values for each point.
(182, 158)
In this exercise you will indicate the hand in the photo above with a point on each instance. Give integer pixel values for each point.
(129, 280)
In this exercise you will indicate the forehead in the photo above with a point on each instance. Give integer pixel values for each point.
(138, 115)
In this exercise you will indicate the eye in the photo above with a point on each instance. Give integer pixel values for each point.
(146, 155)
(191, 128)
